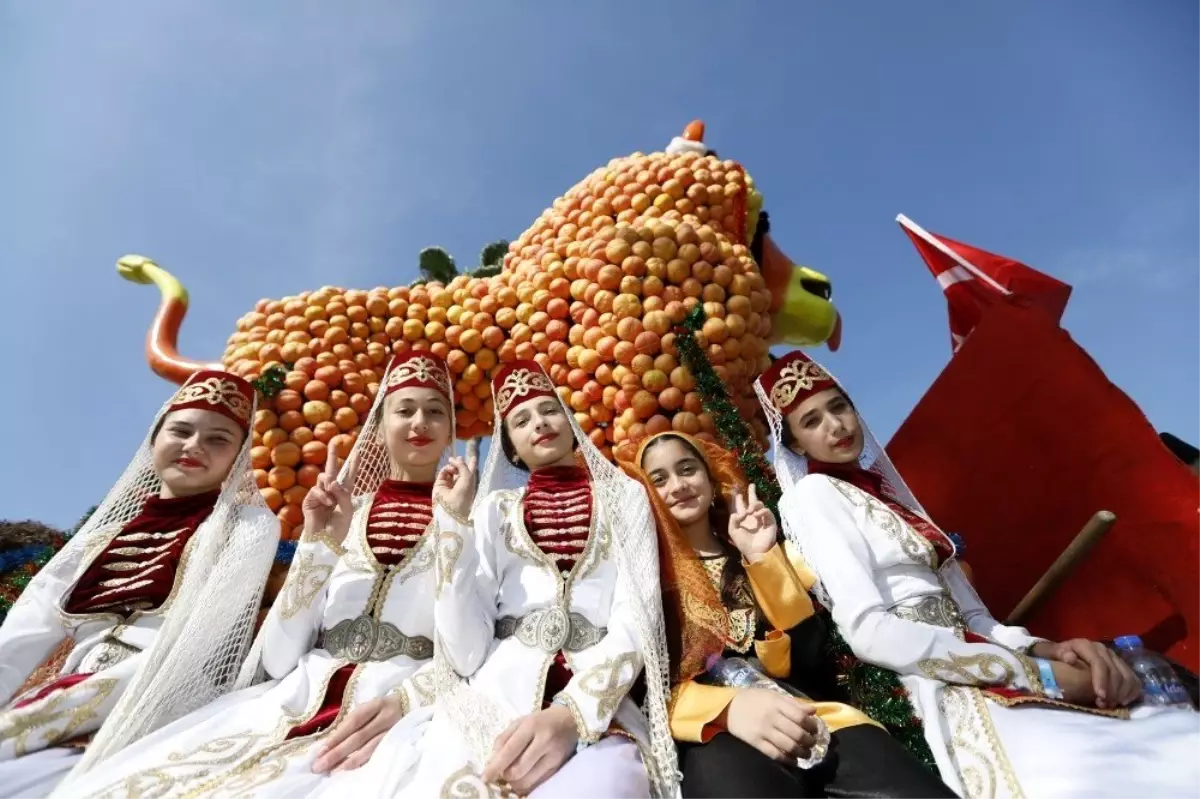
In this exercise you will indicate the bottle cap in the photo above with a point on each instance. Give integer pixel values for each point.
(1128, 642)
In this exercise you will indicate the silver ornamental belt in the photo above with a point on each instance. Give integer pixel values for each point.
(361, 639)
(551, 630)
(105, 655)
(936, 609)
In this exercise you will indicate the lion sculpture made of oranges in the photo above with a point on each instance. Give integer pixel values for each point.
(594, 290)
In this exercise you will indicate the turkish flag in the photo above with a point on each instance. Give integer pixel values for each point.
(973, 279)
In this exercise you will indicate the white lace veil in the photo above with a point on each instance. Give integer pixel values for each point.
(623, 502)
(791, 468)
(375, 465)
(197, 652)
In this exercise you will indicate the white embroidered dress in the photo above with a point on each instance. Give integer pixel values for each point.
(239, 746)
(132, 652)
(897, 610)
(900, 608)
(605, 617)
(378, 618)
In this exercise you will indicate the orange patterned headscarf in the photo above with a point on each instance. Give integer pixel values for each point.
(696, 619)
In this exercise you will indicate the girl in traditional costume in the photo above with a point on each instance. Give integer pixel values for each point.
(154, 599)
(548, 609)
(348, 642)
(1005, 713)
(732, 587)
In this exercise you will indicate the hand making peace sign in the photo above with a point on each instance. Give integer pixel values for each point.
(751, 525)
(327, 505)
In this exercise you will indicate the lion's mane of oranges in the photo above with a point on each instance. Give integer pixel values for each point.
(593, 290)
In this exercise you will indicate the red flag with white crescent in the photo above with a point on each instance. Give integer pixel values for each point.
(973, 279)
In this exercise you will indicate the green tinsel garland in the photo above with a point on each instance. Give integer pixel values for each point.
(874, 690)
(271, 381)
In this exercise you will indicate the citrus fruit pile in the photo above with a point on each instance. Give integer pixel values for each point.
(593, 290)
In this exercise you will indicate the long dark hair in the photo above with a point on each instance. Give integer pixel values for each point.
(735, 583)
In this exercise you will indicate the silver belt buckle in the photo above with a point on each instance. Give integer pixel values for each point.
(364, 639)
(105, 655)
(551, 629)
(938, 610)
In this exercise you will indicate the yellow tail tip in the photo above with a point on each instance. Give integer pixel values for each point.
(133, 268)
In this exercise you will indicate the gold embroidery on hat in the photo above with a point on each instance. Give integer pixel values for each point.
(521, 383)
(797, 376)
(216, 391)
(420, 368)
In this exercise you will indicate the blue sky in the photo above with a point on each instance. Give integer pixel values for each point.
(261, 149)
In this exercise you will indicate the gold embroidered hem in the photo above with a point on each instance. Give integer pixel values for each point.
(1043, 701)
(447, 550)
(304, 583)
(585, 735)
(323, 537)
(466, 783)
(982, 670)
(604, 683)
(979, 757)
(60, 716)
(453, 514)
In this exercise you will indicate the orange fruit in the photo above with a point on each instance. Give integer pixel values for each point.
(272, 497)
(313, 452)
(325, 431)
(345, 419)
(260, 478)
(291, 515)
(316, 389)
(260, 457)
(307, 475)
(264, 420)
(286, 454)
(316, 412)
(281, 478)
(330, 376)
(288, 400)
(274, 437)
(342, 444)
(295, 495)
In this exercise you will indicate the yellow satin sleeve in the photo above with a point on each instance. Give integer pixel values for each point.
(779, 588)
(697, 707)
(838, 716)
(694, 709)
(775, 653)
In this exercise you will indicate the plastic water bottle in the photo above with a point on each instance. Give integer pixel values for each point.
(738, 672)
(1161, 686)
(735, 672)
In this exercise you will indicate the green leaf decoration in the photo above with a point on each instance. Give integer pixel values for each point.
(435, 264)
(493, 254)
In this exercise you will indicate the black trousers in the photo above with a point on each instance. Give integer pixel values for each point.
(862, 761)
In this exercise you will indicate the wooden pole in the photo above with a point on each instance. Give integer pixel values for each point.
(1072, 556)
